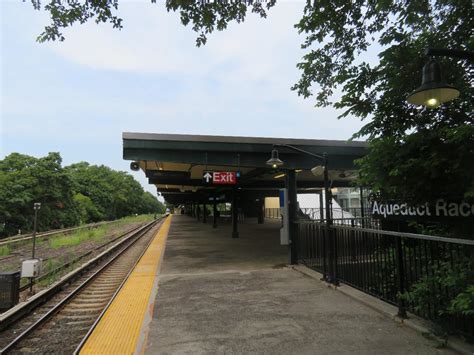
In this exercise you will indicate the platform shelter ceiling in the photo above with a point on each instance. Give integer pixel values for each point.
(175, 162)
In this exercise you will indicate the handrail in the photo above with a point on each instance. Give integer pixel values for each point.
(395, 234)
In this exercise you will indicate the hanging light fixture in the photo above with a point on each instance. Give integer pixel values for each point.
(274, 161)
(433, 91)
(318, 170)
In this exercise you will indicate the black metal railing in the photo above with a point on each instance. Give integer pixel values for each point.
(418, 273)
(353, 217)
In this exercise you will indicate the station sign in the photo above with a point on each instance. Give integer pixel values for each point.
(220, 177)
(441, 208)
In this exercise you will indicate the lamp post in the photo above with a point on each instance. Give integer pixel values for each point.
(433, 90)
(36, 208)
(275, 162)
(330, 243)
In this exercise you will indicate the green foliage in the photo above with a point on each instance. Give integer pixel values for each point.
(424, 166)
(25, 180)
(450, 287)
(132, 219)
(151, 204)
(95, 234)
(77, 238)
(463, 303)
(51, 264)
(5, 250)
(86, 208)
(107, 194)
(80, 193)
(338, 33)
(415, 154)
(205, 17)
(66, 13)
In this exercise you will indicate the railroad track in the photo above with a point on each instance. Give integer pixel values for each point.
(64, 266)
(26, 237)
(60, 324)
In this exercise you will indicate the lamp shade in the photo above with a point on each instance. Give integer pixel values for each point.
(274, 161)
(433, 91)
(318, 170)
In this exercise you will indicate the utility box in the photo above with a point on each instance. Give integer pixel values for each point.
(31, 268)
(9, 289)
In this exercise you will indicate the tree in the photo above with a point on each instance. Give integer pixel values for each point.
(88, 212)
(25, 180)
(205, 16)
(113, 194)
(415, 154)
(79, 193)
(149, 204)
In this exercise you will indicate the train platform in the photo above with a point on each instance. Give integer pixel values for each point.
(216, 294)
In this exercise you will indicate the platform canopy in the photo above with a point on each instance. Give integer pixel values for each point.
(177, 163)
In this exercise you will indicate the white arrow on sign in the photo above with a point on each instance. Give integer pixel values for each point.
(207, 176)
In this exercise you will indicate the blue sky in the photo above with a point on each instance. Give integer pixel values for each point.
(78, 96)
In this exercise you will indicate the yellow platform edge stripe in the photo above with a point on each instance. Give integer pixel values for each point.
(121, 329)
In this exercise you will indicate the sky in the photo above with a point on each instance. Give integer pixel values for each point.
(77, 97)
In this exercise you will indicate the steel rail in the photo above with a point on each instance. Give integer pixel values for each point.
(65, 265)
(12, 315)
(25, 237)
(91, 329)
(72, 294)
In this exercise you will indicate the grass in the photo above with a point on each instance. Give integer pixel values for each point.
(5, 250)
(73, 239)
(79, 237)
(95, 234)
(52, 264)
(132, 219)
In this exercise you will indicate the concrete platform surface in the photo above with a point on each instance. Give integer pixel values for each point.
(222, 295)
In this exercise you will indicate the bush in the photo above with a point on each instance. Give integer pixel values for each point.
(447, 295)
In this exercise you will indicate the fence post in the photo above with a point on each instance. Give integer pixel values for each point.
(335, 279)
(321, 212)
(402, 313)
(323, 232)
(330, 253)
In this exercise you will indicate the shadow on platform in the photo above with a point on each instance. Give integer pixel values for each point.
(193, 246)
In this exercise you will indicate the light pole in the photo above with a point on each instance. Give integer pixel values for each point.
(433, 90)
(36, 207)
(275, 162)
(330, 243)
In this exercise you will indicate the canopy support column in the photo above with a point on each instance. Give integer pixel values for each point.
(235, 215)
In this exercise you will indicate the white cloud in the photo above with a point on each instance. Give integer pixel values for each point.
(154, 42)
